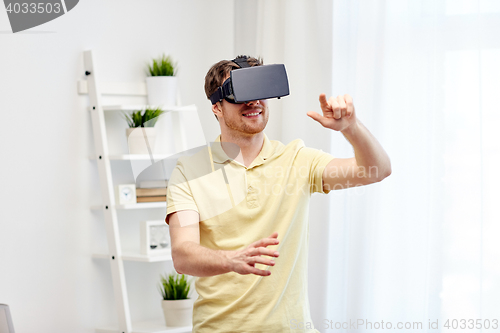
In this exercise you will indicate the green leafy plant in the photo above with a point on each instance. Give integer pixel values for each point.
(174, 287)
(162, 66)
(143, 118)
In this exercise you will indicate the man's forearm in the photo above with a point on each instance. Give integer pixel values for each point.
(196, 260)
(371, 158)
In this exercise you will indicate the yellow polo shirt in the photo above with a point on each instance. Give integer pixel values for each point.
(239, 205)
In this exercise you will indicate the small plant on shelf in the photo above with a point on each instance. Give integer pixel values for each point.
(143, 118)
(162, 66)
(174, 287)
(161, 81)
(177, 306)
(141, 134)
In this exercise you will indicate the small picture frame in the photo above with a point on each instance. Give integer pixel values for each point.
(155, 238)
(126, 194)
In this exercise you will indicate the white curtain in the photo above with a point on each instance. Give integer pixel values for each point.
(423, 244)
(425, 78)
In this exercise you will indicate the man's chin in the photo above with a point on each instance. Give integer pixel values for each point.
(256, 129)
(253, 130)
(248, 128)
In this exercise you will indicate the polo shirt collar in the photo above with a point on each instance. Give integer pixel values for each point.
(220, 156)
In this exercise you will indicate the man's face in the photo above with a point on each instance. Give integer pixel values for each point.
(245, 118)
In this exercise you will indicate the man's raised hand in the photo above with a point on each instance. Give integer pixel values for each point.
(243, 261)
(338, 113)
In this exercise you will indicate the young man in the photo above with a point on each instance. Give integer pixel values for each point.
(238, 211)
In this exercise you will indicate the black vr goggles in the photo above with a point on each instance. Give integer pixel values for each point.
(251, 83)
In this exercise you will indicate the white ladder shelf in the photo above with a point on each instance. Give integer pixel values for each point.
(92, 87)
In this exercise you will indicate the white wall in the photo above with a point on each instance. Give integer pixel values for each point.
(47, 232)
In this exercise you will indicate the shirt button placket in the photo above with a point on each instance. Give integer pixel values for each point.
(251, 195)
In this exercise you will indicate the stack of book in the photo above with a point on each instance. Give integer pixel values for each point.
(152, 191)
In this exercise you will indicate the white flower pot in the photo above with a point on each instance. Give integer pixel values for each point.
(162, 90)
(178, 313)
(139, 138)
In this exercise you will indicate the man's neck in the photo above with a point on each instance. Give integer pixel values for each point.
(250, 146)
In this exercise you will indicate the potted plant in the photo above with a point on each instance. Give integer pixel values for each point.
(141, 136)
(177, 307)
(162, 82)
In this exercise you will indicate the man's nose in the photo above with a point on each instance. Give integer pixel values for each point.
(252, 103)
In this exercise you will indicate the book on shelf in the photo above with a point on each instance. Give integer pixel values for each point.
(151, 192)
(158, 198)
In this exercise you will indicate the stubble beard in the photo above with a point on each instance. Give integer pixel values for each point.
(241, 126)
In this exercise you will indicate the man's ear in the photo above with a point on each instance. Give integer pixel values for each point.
(217, 109)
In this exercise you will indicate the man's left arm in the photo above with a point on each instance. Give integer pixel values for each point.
(371, 163)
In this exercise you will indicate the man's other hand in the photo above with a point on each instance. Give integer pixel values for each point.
(243, 261)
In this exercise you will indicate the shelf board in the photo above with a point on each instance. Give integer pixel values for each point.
(137, 157)
(148, 327)
(141, 205)
(147, 157)
(133, 107)
(137, 257)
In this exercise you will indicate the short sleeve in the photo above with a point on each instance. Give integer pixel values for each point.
(179, 195)
(317, 160)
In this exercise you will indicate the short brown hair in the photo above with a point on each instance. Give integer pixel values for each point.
(216, 74)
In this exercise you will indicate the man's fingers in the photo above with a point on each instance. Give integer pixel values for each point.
(338, 107)
(249, 268)
(350, 105)
(260, 260)
(261, 272)
(348, 99)
(323, 102)
(335, 107)
(342, 104)
(266, 241)
(316, 116)
(274, 235)
(257, 251)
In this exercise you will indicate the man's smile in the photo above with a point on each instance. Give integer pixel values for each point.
(252, 114)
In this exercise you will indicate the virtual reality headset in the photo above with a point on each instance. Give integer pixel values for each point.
(251, 83)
